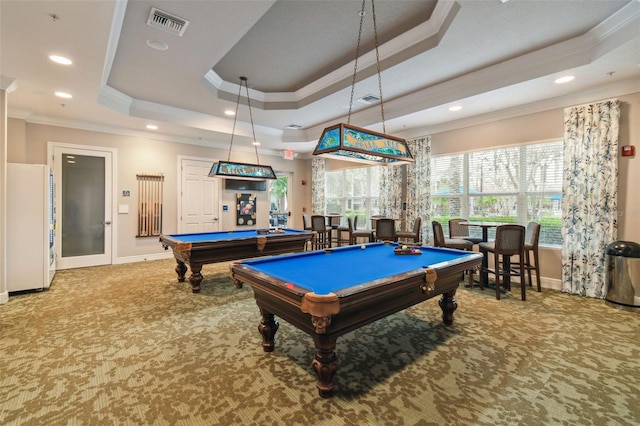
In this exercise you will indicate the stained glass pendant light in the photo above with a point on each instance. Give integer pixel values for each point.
(243, 171)
(347, 142)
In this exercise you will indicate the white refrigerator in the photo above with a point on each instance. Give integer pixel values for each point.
(30, 227)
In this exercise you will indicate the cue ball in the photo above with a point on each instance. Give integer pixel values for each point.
(404, 247)
(363, 247)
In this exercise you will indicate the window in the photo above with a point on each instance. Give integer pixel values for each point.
(353, 192)
(510, 185)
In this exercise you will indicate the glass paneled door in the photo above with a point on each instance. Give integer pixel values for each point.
(278, 200)
(83, 207)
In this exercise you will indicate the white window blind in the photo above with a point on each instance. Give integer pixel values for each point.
(511, 185)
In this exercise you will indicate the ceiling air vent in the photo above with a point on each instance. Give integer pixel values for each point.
(167, 22)
(369, 99)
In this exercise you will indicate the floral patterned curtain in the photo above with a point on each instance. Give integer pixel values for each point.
(418, 189)
(589, 195)
(419, 186)
(317, 185)
(391, 191)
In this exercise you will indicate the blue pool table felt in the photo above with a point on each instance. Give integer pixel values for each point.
(203, 237)
(346, 267)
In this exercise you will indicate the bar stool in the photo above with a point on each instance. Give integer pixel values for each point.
(460, 231)
(386, 230)
(509, 242)
(414, 234)
(321, 232)
(439, 240)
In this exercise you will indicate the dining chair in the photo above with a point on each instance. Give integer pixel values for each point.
(322, 236)
(439, 240)
(413, 234)
(509, 242)
(461, 231)
(374, 219)
(386, 230)
(360, 233)
(306, 225)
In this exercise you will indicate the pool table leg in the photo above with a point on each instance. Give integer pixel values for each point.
(268, 327)
(181, 270)
(196, 278)
(325, 364)
(448, 305)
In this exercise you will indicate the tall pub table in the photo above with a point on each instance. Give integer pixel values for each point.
(485, 227)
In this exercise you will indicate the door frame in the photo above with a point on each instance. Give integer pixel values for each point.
(289, 174)
(110, 196)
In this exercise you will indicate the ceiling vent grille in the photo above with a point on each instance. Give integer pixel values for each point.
(369, 99)
(167, 22)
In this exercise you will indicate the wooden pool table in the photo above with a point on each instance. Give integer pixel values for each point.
(328, 293)
(198, 249)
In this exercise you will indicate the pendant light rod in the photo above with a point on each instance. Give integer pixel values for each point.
(347, 142)
(253, 130)
(243, 171)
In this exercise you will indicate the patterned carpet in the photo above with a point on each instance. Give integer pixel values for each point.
(129, 345)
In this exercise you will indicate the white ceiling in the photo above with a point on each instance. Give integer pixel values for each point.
(495, 59)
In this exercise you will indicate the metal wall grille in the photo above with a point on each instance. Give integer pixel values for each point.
(149, 205)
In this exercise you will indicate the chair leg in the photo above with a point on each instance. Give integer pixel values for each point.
(497, 266)
(527, 264)
(523, 285)
(537, 269)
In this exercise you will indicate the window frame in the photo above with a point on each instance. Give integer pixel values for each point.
(522, 196)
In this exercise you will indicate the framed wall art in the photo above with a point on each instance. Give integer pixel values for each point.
(246, 209)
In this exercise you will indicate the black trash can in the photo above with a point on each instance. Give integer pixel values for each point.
(622, 260)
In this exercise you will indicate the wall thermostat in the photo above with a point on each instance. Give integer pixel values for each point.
(628, 150)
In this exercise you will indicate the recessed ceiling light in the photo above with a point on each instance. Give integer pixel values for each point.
(455, 108)
(152, 127)
(256, 143)
(564, 79)
(63, 95)
(229, 112)
(60, 60)
(157, 44)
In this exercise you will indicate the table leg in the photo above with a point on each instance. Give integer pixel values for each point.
(484, 275)
(325, 364)
(267, 328)
(181, 270)
(448, 305)
(196, 278)
(485, 234)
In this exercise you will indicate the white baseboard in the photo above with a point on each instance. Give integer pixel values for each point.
(552, 283)
(4, 298)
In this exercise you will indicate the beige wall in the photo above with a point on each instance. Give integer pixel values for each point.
(548, 125)
(28, 143)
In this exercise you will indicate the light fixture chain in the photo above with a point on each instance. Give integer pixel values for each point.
(253, 130)
(355, 64)
(235, 120)
(375, 37)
